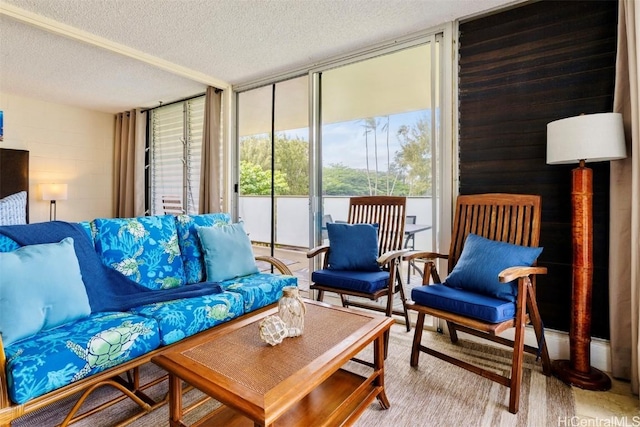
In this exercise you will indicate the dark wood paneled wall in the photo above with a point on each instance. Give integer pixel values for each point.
(519, 70)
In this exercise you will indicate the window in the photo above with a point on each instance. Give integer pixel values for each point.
(175, 147)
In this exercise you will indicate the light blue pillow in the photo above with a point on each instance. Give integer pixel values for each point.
(354, 247)
(189, 242)
(227, 252)
(40, 288)
(482, 260)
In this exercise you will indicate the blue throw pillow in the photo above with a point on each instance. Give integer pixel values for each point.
(227, 252)
(40, 288)
(482, 260)
(354, 247)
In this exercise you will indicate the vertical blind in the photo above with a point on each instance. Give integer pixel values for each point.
(175, 141)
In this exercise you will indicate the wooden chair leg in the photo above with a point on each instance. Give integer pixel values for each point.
(399, 288)
(453, 334)
(404, 308)
(320, 295)
(417, 339)
(345, 300)
(389, 310)
(536, 322)
(516, 369)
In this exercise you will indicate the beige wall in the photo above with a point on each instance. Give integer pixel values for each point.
(66, 145)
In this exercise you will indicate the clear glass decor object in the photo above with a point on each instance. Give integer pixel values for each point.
(273, 330)
(291, 310)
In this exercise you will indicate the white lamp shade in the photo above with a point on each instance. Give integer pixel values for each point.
(589, 137)
(54, 191)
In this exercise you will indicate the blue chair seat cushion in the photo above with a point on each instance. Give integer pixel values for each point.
(54, 358)
(360, 281)
(465, 303)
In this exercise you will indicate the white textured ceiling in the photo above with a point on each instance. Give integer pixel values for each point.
(175, 48)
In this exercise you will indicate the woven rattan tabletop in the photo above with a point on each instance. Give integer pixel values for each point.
(244, 358)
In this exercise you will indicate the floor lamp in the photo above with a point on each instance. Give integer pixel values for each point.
(592, 137)
(53, 192)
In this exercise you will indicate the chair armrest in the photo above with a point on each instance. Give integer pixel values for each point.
(281, 266)
(388, 256)
(317, 251)
(513, 273)
(412, 255)
(4, 393)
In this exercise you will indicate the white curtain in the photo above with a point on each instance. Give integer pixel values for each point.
(624, 257)
(128, 164)
(211, 165)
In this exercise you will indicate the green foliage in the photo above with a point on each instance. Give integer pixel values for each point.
(341, 180)
(413, 161)
(291, 160)
(409, 174)
(256, 181)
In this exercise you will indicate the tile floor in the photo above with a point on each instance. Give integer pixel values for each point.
(616, 407)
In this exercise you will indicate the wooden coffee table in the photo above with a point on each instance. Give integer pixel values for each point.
(299, 382)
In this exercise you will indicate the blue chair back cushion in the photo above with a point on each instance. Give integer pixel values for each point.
(361, 281)
(482, 260)
(354, 247)
(465, 303)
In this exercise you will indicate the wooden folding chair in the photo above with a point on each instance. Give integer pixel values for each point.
(388, 212)
(509, 218)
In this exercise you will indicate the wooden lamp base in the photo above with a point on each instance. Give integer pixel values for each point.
(595, 379)
(578, 370)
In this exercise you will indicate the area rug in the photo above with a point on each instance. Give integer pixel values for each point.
(433, 394)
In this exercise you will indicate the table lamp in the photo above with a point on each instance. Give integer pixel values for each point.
(53, 192)
(593, 138)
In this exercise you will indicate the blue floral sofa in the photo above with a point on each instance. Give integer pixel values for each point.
(101, 346)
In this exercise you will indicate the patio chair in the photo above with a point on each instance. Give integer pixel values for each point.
(364, 254)
(491, 283)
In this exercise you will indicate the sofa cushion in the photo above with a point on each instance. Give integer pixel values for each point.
(189, 241)
(40, 288)
(144, 249)
(354, 247)
(361, 281)
(181, 318)
(57, 357)
(465, 303)
(227, 252)
(260, 289)
(482, 260)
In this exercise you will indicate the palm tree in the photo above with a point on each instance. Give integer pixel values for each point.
(371, 124)
(366, 153)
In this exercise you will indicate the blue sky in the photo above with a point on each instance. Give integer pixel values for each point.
(344, 142)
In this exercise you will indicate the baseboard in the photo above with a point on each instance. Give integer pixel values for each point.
(557, 341)
(558, 345)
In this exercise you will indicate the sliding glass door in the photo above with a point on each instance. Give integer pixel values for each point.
(273, 156)
(367, 125)
(379, 135)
